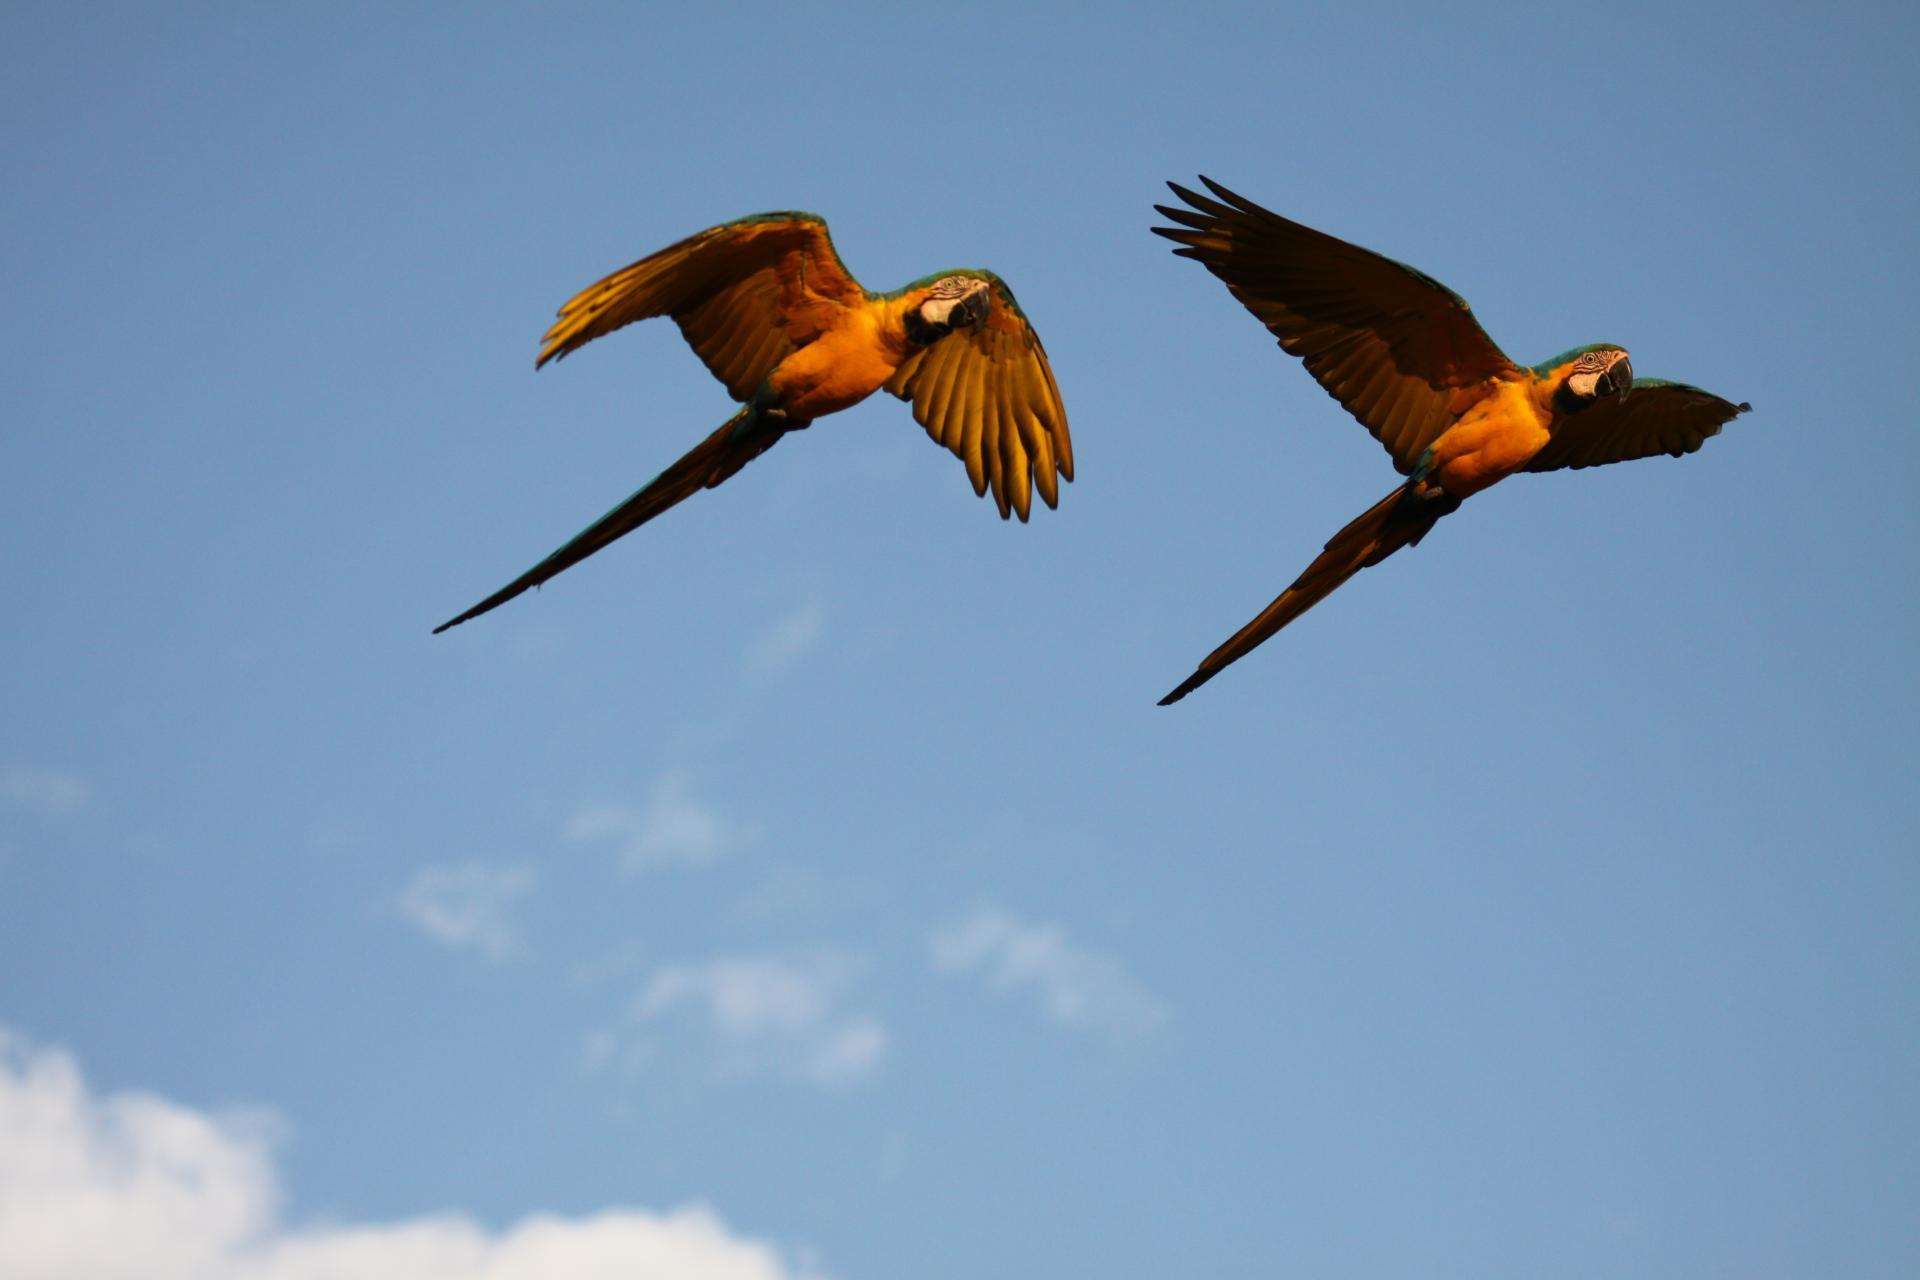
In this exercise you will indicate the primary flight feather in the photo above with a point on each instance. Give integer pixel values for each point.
(1403, 354)
(766, 303)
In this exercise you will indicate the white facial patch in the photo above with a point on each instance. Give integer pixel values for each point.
(945, 294)
(1588, 369)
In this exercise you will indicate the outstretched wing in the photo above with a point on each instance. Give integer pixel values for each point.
(1656, 416)
(1391, 344)
(745, 294)
(987, 393)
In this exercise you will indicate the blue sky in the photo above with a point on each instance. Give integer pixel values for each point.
(808, 885)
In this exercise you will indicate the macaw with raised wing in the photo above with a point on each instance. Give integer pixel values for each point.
(766, 303)
(1402, 353)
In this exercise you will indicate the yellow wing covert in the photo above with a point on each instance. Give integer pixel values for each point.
(744, 294)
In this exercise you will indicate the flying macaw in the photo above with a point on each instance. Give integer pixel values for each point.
(767, 304)
(1402, 353)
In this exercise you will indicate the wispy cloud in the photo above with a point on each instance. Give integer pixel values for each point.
(759, 1015)
(47, 793)
(467, 906)
(673, 829)
(788, 638)
(1076, 987)
(134, 1187)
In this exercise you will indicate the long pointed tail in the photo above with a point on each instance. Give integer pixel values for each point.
(740, 440)
(1398, 520)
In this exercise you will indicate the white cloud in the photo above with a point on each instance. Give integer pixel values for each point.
(764, 1015)
(134, 1187)
(1076, 987)
(45, 792)
(790, 637)
(673, 830)
(467, 906)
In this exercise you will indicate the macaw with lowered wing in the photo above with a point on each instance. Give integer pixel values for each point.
(766, 303)
(1403, 354)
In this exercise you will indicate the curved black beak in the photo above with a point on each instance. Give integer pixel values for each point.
(1616, 381)
(970, 310)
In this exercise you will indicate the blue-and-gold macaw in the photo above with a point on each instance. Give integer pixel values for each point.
(766, 303)
(1403, 354)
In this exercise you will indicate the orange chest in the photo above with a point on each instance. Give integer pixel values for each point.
(1492, 440)
(843, 366)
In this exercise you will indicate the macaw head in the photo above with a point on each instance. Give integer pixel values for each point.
(952, 302)
(1596, 372)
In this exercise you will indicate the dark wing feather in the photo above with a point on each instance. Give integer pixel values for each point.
(988, 394)
(1654, 417)
(1391, 344)
(744, 294)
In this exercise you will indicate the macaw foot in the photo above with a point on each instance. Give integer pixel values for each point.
(784, 420)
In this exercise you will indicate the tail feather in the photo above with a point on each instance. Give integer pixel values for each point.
(739, 440)
(1398, 520)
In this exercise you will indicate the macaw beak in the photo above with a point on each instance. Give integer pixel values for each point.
(955, 313)
(1616, 381)
(970, 310)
